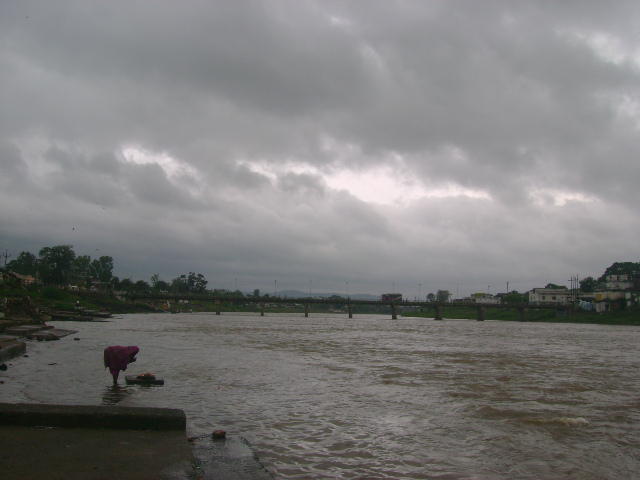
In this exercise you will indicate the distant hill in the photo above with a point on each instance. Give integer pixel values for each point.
(300, 294)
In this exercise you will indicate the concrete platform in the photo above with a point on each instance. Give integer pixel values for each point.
(92, 443)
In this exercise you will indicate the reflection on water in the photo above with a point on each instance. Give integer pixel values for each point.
(114, 394)
(367, 398)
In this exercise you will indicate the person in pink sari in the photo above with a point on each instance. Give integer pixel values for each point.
(117, 358)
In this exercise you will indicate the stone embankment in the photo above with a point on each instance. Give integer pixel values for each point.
(21, 319)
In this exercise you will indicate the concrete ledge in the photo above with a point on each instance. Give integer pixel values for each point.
(11, 348)
(86, 416)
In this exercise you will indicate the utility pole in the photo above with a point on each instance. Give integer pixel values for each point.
(6, 255)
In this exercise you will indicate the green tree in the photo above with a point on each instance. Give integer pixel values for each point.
(102, 268)
(80, 269)
(25, 264)
(256, 292)
(443, 296)
(180, 284)
(197, 283)
(513, 297)
(622, 268)
(553, 286)
(192, 283)
(431, 297)
(141, 286)
(158, 284)
(588, 285)
(126, 284)
(55, 264)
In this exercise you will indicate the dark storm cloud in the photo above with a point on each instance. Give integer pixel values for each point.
(236, 138)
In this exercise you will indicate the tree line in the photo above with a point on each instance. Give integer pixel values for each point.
(60, 265)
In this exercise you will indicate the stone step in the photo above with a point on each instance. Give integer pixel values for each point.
(11, 348)
(22, 330)
(50, 334)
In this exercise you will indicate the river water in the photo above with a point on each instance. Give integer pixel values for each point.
(370, 398)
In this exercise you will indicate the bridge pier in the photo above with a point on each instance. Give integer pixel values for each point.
(217, 302)
(350, 310)
(522, 314)
(262, 309)
(306, 309)
(438, 312)
(394, 312)
(481, 314)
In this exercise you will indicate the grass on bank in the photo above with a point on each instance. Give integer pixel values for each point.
(60, 299)
(615, 317)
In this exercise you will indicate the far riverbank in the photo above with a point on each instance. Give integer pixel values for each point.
(60, 299)
(616, 317)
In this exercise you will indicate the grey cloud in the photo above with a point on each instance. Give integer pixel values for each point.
(501, 98)
(13, 169)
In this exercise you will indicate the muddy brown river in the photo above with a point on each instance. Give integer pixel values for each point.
(330, 397)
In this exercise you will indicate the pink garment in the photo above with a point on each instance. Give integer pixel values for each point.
(117, 358)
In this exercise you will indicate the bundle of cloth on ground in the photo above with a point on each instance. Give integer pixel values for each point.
(117, 357)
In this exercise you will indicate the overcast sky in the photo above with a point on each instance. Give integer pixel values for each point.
(368, 146)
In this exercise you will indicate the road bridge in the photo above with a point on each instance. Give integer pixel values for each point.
(349, 303)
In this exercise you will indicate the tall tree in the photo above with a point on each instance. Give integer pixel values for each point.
(25, 264)
(102, 268)
(197, 283)
(180, 284)
(588, 284)
(55, 264)
(80, 269)
(443, 296)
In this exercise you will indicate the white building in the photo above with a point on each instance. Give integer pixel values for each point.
(483, 298)
(550, 295)
(618, 282)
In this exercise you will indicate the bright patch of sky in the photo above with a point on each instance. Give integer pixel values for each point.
(559, 198)
(170, 165)
(380, 185)
(608, 47)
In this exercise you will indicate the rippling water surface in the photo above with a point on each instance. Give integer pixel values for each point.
(370, 397)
